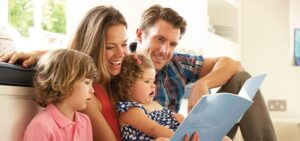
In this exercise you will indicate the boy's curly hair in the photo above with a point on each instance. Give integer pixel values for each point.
(131, 71)
(57, 73)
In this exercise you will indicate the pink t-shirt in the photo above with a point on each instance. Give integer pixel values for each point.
(51, 125)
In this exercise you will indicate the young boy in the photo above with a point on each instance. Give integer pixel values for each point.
(63, 88)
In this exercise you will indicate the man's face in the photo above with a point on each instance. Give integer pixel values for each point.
(159, 42)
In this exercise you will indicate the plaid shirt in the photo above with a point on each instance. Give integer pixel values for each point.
(172, 78)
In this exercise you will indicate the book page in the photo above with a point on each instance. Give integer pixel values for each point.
(214, 115)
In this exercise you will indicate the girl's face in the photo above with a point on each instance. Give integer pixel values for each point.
(143, 90)
(115, 48)
(81, 94)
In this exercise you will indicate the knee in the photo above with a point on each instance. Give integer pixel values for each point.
(235, 83)
(240, 76)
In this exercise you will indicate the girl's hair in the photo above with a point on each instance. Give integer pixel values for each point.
(131, 71)
(90, 36)
(157, 12)
(57, 73)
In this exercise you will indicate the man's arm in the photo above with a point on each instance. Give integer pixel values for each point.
(215, 72)
(27, 59)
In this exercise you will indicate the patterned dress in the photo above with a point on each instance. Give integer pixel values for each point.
(162, 117)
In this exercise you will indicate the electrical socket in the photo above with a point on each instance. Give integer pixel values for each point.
(277, 105)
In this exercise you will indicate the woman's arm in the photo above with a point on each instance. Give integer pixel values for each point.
(139, 120)
(27, 59)
(101, 129)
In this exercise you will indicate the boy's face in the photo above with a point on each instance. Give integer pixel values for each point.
(81, 94)
(143, 90)
(159, 42)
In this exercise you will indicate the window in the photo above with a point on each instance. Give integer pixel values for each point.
(24, 14)
(54, 17)
(21, 15)
(42, 23)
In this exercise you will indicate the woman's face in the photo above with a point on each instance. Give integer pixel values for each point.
(115, 48)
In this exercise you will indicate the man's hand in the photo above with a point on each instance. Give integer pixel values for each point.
(200, 88)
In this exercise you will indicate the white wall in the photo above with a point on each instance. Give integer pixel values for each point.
(194, 11)
(266, 42)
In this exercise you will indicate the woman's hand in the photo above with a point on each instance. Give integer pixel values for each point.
(195, 137)
(26, 59)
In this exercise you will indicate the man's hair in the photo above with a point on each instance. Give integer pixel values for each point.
(157, 12)
(58, 71)
(90, 36)
(131, 71)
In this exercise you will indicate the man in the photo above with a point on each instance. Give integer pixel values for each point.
(158, 35)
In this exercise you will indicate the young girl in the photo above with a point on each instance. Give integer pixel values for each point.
(65, 88)
(140, 117)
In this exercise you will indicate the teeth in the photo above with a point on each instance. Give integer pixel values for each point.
(159, 57)
(115, 62)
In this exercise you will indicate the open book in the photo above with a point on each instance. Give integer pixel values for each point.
(215, 114)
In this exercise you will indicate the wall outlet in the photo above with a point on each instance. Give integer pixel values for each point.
(277, 105)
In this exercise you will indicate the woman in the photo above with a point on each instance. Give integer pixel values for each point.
(102, 35)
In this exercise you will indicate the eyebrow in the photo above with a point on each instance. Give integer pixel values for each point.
(116, 43)
(159, 36)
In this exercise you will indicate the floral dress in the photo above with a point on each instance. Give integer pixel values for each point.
(162, 117)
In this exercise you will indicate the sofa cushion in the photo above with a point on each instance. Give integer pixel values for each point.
(16, 75)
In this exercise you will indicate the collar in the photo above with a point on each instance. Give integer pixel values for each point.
(60, 119)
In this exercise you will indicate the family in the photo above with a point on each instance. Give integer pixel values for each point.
(123, 94)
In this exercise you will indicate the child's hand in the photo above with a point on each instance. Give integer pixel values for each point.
(162, 139)
(178, 117)
(226, 139)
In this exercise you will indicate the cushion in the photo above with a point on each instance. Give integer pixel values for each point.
(16, 75)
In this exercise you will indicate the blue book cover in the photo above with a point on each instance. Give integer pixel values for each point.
(215, 114)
